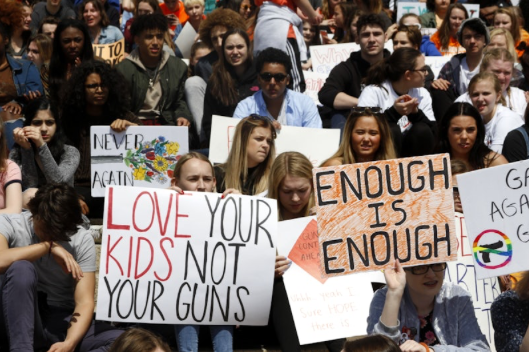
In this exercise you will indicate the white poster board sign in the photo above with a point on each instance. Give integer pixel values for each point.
(186, 259)
(496, 204)
(314, 82)
(185, 39)
(436, 63)
(142, 156)
(419, 8)
(323, 308)
(317, 144)
(463, 273)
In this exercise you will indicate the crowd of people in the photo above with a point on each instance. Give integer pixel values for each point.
(246, 62)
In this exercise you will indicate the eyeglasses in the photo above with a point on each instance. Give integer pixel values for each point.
(278, 77)
(423, 269)
(94, 86)
(423, 70)
(38, 123)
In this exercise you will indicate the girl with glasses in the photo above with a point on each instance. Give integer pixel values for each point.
(419, 311)
(396, 85)
(40, 150)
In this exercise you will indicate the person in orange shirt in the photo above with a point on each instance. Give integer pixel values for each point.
(175, 12)
(445, 39)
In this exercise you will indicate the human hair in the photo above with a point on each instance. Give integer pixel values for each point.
(348, 12)
(117, 105)
(515, 25)
(194, 48)
(56, 144)
(223, 79)
(371, 6)
(291, 164)
(99, 7)
(479, 151)
(508, 39)
(522, 287)
(495, 54)
(316, 40)
(393, 67)
(185, 158)
(139, 340)
(193, 2)
(155, 21)
(444, 29)
(48, 20)
(152, 3)
(45, 46)
(487, 76)
(346, 154)
(273, 55)
(413, 33)
(371, 343)
(430, 5)
(372, 20)
(56, 207)
(236, 167)
(220, 17)
(409, 14)
(10, 15)
(458, 167)
(326, 10)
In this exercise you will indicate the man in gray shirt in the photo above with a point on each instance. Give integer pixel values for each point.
(49, 262)
(50, 8)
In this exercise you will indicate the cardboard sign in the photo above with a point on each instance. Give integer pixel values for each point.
(185, 39)
(463, 273)
(323, 308)
(419, 8)
(315, 143)
(496, 205)
(436, 63)
(373, 213)
(112, 54)
(186, 259)
(314, 82)
(143, 156)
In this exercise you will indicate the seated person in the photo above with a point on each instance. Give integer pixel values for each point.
(49, 262)
(282, 105)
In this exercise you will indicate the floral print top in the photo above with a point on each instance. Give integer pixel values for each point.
(426, 333)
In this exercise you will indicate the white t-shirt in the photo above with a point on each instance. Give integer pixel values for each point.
(503, 122)
(516, 101)
(465, 75)
(373, 95)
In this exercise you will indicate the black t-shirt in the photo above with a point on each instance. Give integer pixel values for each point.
(514, 146)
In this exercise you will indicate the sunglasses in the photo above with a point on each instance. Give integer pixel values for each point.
(423, 269)
(366, 109)
(278, 77)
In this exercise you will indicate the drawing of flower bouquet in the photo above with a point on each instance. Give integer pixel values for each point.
(153, 160)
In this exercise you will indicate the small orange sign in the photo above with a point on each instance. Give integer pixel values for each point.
(306, 252)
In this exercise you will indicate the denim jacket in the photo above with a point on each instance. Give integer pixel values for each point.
(26, 77)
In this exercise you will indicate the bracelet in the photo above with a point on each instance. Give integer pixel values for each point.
(425, 346)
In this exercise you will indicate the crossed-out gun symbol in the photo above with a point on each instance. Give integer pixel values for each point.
(490, 248)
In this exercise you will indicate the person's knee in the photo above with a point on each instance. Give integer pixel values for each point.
(21, 273)
(195, 85)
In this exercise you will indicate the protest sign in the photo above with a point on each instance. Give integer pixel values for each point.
(191, 258)
(323, 308)
(436, 63)
(143, 156)
(373, 213)
(315, 143)
(496, 202)
(112, 53)
(314, 82)
(185, 40)
(463, 273)
(419, 8)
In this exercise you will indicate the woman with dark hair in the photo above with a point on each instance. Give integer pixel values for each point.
(427, 47)
(516, 144)
(396, 85)
(462, 135)
(445, 39)
(40, 150)
(344, 12)
(92, 12)
(436, 13)
(20, 34)
(374, 7)
(95, 95)
(233, 79)
(71, 47)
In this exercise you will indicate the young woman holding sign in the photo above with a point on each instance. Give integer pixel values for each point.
(251, 156)
(194, 172)
(290, 182)
(419, 311)
(366, 137)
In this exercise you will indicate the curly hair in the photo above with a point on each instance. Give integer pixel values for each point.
(73, 99)
(220, 17)
(10, 15)
(273, 55)
(154, 21)
(99, 7)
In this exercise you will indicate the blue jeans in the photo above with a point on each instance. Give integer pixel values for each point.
(187, 337)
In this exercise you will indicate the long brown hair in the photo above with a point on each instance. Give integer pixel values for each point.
(444, 30)
(393, 67)
(99, 7)
(515, 24)
(223, 81)
(236, 167)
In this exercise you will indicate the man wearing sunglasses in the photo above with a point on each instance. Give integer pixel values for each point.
(282, 105)
(343, 86)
